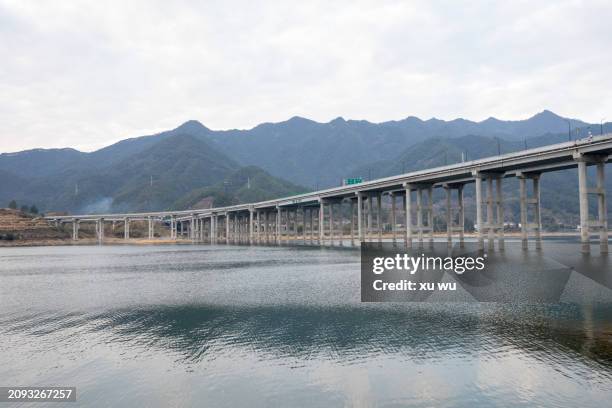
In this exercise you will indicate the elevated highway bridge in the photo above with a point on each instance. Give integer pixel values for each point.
(320, 217)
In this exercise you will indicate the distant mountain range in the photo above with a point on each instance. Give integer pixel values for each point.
(177, 168)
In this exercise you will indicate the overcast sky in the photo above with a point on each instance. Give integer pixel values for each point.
(85, 74)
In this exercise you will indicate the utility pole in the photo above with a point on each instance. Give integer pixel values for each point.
(569, 130)
(601, 126)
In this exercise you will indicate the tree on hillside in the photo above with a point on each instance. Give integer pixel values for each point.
(13, 205)
(33, 209)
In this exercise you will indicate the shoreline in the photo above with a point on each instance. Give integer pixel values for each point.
(182, 241)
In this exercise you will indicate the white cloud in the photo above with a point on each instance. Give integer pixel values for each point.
(88, 73)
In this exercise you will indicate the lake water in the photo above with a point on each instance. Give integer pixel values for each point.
(229, 326)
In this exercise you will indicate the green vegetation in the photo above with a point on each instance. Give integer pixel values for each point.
(248, 184)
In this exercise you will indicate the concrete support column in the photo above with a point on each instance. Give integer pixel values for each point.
(461, 216)
(321, 220)
(601, 223)
(379, 216)
(408, 215)
(251, 224)
(523, 203)
(453, 213)
(100, 229)
(602, 207)
(151, 228)
(267, 226)
(340, 225)
(126, 228)
(278, 225)
(360, 229)
(369, 226)
(419, 211)
(430, 215)
(227, 228)
(311, 211)
(296, 224)
(331, 223)
(480, 235)
(500, 215)
(490, 222)
(449, 217)
(75, 229)
(393, 219)
(213, 229)
(537, 216)
(303, 217)
(536, 225)
(257, 230)
(352, 218)
(584, 206)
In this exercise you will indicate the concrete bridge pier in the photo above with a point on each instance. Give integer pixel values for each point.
(301, 216)
(310, 225)
(424, 213)
(244, 235)
(251, 226)
(100, 229)
(453, 212)
(226, 220)
(172, 227)
(151, 228)
(265, 229)
(296, 224)
(75, 229)
(201, 229)
(331, 223)
(258, 234)
(126, 228)
(236, 228)
(340, 221)
(208, 232)
(600, 223)
(525, 201)
(370, 212)
(352, 218)
(495, 212)
(408, 215)
(279, 234)
(360, 226)
(393, 219)
(213, 229)
(321, 220)
(379, 216)
(479, 225)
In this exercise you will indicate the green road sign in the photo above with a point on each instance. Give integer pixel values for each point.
(354, 180)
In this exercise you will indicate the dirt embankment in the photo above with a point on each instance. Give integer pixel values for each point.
(21, 229)
(17, 226)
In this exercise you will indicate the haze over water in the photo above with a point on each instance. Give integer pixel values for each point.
(284, 326)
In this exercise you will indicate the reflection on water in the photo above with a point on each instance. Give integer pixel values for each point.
(256, 326)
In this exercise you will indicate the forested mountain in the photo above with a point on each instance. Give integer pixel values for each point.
(177, 168)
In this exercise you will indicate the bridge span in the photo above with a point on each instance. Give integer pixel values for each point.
(355, 212)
